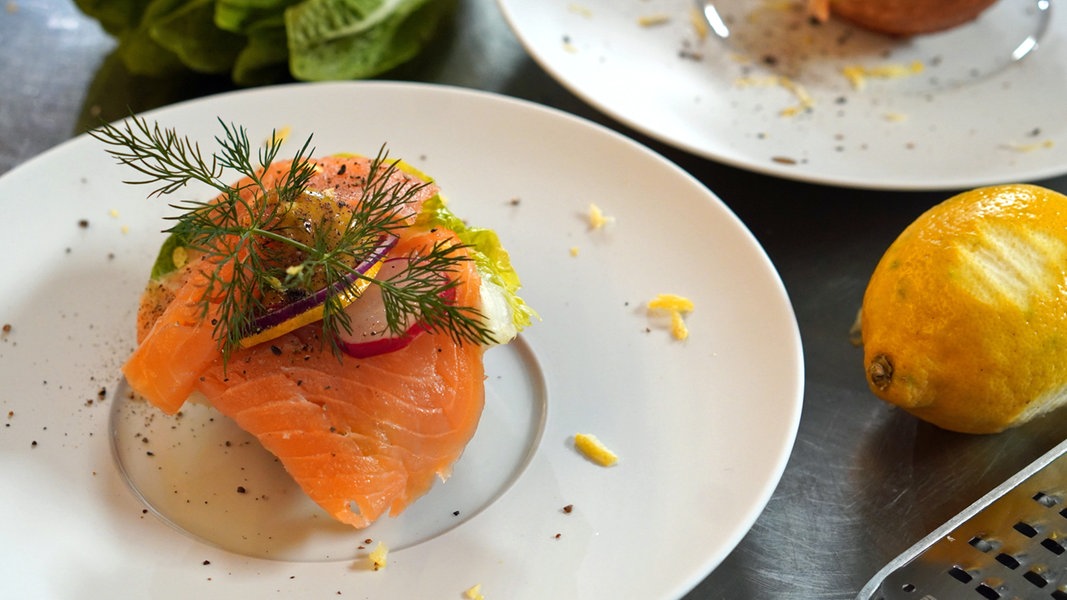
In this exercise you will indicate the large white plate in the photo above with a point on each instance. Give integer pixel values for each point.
(703, 427)
(971, 117)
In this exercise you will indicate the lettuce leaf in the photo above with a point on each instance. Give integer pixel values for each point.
(492, 260)
(265, 41)
(354, 39)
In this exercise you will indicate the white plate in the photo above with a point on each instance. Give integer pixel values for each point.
(971, 117)
(703, 427)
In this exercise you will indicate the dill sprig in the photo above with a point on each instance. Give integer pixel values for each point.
(248, 236)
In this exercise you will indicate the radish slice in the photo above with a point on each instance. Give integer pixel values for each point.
(282, 319)
(369, 334)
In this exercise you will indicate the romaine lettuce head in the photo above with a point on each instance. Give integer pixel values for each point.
(262, 41)
(354, 39)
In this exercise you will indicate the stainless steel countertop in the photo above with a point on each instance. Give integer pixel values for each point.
(864, 482)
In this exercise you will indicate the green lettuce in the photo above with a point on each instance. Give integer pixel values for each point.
(492, 260)
(263, 41)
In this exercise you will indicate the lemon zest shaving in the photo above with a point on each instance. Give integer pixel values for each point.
(676, 306)
(379, 557)
(592, 448)
(652, 20)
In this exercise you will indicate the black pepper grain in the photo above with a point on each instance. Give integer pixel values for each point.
(83, 223)
(241, 489)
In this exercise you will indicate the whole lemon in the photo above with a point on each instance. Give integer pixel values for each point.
(964, 320)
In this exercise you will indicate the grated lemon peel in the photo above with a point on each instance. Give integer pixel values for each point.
(597, 218)
(858, 75)
(379, 557)
(592, 448)
(474, 592)
(676, 306)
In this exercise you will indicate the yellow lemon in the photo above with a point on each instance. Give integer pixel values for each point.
(964, 320)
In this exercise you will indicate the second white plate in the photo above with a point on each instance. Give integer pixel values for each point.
(773, 98)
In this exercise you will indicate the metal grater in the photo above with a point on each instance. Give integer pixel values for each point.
(1010, 544)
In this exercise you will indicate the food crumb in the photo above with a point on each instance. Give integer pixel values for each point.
(597, 218)
(279, 135)
(474, 592)
(574, 250)
(83, 223)
(592, 448)
(113, 213)
(675, 306)
(1030, 147)
(568, 509)
(378, 557)
(558, 535)
(857, 75)
(6, 328)
(578, 9)
(699, 23)
(805, 102)
(653, 20)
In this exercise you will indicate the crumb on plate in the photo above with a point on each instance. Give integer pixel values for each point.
(593, 449)
(700, 24)
(597, 218)
(858, 75)
(379, 556)
(652, 20)
(675, 306)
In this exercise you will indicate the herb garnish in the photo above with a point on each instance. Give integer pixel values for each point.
(260, 251)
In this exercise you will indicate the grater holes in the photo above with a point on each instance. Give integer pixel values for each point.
(1036, 578)
(981, 544)
(1008, 561)
(985, 591)
(960, 575)
(1046, 500)
(1053, 546)
(1025, 528)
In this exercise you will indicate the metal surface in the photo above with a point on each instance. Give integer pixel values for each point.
(864, 483)
(1008, 544)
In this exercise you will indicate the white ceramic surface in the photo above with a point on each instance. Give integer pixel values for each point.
(773, 98)
(703, 427)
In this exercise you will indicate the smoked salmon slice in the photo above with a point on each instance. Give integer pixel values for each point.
(362, 437)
